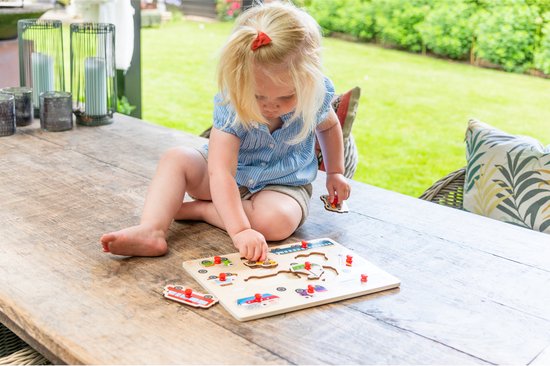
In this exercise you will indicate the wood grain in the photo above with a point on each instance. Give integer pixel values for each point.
(473, 290)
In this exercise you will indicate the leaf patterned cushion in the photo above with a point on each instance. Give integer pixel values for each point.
(507, 177)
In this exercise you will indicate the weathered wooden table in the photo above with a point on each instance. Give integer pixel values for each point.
(473, 290)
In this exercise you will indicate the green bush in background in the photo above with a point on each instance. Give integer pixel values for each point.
(396, 22)
(449, 30)
(510, 34)
(506, 34)
(542, 54)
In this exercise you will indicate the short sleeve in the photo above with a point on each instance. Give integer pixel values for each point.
(224, 116)
(327, 101)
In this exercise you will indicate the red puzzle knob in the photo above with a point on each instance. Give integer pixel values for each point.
(364, 278)
(222, 276)
(188, 292)
(307, 265)
(310, 289)
(304, 244)
(258, 297)
(349, 260)
(217, 260)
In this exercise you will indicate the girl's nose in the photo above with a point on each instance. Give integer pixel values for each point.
(271, 105)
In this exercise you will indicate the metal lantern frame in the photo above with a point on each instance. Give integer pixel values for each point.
(41, 62)
(93, 73)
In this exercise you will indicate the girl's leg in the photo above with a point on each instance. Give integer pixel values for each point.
(179, 170)
(274, 214)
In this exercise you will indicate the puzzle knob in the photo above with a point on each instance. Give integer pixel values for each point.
(310, 289)
(222, 276)
(304, 244)
(217, 260)
(349, 260)
(364, 278)
(257, 297)
(307, 265)
(188, 292)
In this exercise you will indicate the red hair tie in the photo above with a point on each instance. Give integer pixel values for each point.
(261, 40)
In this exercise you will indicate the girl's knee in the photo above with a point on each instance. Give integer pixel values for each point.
(277, 223)
(174, 154)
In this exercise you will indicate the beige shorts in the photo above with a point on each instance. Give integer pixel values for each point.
(301, 194)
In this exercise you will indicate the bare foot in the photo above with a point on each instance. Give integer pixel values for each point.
(140, 240)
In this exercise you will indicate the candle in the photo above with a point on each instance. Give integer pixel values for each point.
(7, 115)
(56, 112)
(42, 75)
(95, 92)
(23, 104)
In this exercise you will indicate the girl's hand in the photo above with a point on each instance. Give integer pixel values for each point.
(338, 185)
(251, 245)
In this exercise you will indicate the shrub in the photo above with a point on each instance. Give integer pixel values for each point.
(542, 55)
(396, 22)
(355, 17)
(325, 12)
(448, 29)
(506, 34)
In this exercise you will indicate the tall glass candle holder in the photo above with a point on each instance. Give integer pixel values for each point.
(41, 56)
(93, 74)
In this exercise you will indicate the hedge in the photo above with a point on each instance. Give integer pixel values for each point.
(511, 34)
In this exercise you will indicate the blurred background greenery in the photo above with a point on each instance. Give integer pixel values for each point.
(412, 114)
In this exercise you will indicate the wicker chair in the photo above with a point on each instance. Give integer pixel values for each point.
(14, 351)
(448, 191)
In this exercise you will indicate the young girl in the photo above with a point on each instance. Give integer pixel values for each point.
(254, 178)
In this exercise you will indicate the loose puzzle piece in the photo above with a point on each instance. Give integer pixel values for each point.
(187, 296)
(340, 207)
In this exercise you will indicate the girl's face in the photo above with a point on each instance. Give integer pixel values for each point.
(274, 98)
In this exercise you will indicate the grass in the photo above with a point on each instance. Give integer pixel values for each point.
(412, 115)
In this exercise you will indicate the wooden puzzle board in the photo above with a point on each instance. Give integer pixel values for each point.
(246, 297)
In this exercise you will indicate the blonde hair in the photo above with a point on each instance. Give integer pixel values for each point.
(295, 45)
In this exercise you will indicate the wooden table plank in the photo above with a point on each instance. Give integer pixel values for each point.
(473, 290)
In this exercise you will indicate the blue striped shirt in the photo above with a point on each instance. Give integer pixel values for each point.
(266, 158)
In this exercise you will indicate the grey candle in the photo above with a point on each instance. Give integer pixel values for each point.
(7, 114)
(56, 113)
(24, 112)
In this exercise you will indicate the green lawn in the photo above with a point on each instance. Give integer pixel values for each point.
(413, 110)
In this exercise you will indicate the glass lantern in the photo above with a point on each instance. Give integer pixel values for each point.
(93, 74)
(41, 57)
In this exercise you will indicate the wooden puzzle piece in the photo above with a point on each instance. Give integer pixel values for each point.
(254, 302)
(268, 263)
(302, 247)
(187, 296)
(314, 271)
(311, 289)
(340, 207)
(215, 261)
(223, 279)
